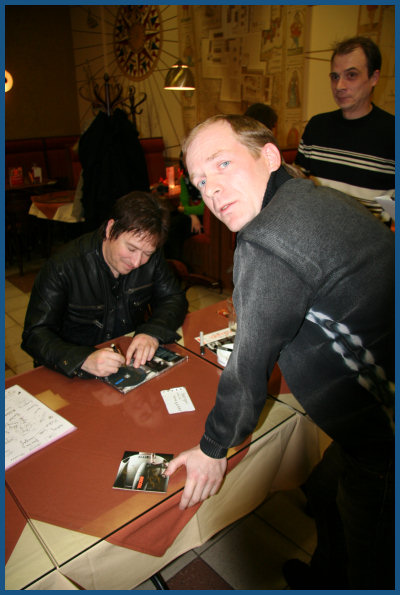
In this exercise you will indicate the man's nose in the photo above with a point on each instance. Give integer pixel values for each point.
(340, 83)
(212, 189)
(136, 259)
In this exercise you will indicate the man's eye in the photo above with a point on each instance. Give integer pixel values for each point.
(201, 184)
(333, 76)
(351, 75)
(225, 164)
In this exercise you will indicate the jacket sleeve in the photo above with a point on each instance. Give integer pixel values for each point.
(168, 306)
(271, 302)
(189, 209)
(41, 334)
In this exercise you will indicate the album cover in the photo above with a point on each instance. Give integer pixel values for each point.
(143, 472)
(127, 378)
(221, 341)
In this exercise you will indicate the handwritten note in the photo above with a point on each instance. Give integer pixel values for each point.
(177, 400)
(29, 425)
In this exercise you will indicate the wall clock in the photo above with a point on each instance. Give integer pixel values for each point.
(137, 40)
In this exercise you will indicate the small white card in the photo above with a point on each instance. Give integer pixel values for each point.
(177, 400)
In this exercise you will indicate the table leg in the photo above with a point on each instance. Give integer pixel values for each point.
(159, 582)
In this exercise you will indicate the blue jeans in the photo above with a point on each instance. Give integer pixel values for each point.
(352, 500)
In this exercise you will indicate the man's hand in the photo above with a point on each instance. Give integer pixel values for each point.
(196, 226)
(103, 362)
(204, 475)
(141, 349)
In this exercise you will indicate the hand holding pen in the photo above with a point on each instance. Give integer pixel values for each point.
(103, 362)
(116, 349)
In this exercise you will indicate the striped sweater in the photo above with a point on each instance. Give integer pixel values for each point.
(356, 157)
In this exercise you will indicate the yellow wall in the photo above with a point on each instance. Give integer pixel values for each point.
(47, 48)
(342, 21)
(38, 54)
(330, 24)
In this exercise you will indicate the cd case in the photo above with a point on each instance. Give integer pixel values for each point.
(143, 472)
(127, 378)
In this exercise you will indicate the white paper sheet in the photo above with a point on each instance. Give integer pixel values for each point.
(29, 425)
(177, 400)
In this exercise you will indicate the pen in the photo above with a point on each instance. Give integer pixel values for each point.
(201, 343)
(116, 349)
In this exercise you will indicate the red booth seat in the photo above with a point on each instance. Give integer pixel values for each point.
(58, 157)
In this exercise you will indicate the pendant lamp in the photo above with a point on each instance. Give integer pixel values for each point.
(179, 78)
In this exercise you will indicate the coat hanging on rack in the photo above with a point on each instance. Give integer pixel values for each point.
(113, 164)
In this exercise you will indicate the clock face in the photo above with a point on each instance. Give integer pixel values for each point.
(137, 40)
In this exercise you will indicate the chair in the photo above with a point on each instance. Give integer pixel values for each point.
(201, 257)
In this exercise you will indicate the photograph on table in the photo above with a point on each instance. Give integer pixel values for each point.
(143, 471)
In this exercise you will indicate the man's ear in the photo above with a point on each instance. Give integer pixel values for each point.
(375, 77)
(109, 225)
(272, 155)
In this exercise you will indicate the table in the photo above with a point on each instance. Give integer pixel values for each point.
(56, 206)
(101, 538)
(36, 187)
(28, 561)
(213, 318)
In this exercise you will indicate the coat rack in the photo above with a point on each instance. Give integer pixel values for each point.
(108, 97)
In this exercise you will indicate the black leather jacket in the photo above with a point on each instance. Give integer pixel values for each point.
(76, 303)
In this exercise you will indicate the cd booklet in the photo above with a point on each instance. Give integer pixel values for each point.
(222, 339)
(127, 378)
(143, 472)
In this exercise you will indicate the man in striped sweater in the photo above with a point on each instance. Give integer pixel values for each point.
(352, 149)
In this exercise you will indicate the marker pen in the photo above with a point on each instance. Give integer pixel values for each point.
(201, 343)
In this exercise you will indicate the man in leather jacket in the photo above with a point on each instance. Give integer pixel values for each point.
(102, 285)
(314, 291)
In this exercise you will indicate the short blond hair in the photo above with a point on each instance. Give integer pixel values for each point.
(250, 132)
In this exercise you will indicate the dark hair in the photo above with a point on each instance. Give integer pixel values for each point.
(141, 213)
(250, 132)
(263, 113)
(371, 51)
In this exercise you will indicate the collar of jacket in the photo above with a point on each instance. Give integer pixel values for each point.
(276, 179)
(99, 251)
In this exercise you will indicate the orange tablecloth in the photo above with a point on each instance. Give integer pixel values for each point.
(154, 532)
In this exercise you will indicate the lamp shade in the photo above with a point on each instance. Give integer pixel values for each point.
(9, 81)
(179, 78)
